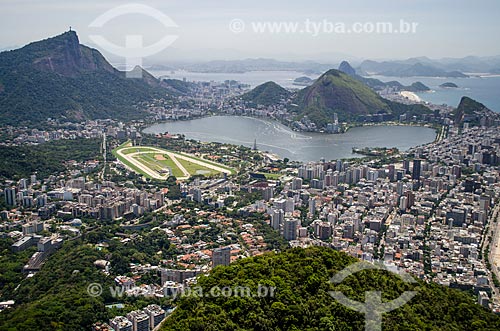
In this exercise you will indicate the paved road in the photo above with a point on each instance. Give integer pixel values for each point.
(494, 255)
(494, 250)
(104, 151)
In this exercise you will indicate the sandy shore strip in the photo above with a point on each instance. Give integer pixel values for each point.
(410, 96)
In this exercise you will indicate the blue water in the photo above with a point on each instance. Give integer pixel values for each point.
(300, 146)
(483, 89)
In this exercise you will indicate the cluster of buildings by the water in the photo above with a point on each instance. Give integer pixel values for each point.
(427, 216)
(199, 99)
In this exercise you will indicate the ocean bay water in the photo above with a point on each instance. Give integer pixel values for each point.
(485, 89)
(252, 78)
(300, 146)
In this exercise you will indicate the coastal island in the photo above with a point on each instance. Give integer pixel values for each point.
(449, 85)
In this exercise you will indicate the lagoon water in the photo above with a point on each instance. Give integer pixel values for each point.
(276, 138)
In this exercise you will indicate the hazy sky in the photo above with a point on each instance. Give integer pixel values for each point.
(446, 28)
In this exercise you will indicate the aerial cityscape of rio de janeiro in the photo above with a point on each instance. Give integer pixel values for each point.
(261, 165)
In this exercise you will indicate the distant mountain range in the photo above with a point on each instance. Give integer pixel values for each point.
(246, 65)
(412, 67)
(60, 78)
(399, 69)
(423, 66)
(472, 64)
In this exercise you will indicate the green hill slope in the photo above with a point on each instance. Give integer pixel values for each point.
(337, 92)
(266, 94)
(59, 78)
(301, 300)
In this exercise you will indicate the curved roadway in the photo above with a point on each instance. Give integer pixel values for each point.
(174, 156)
